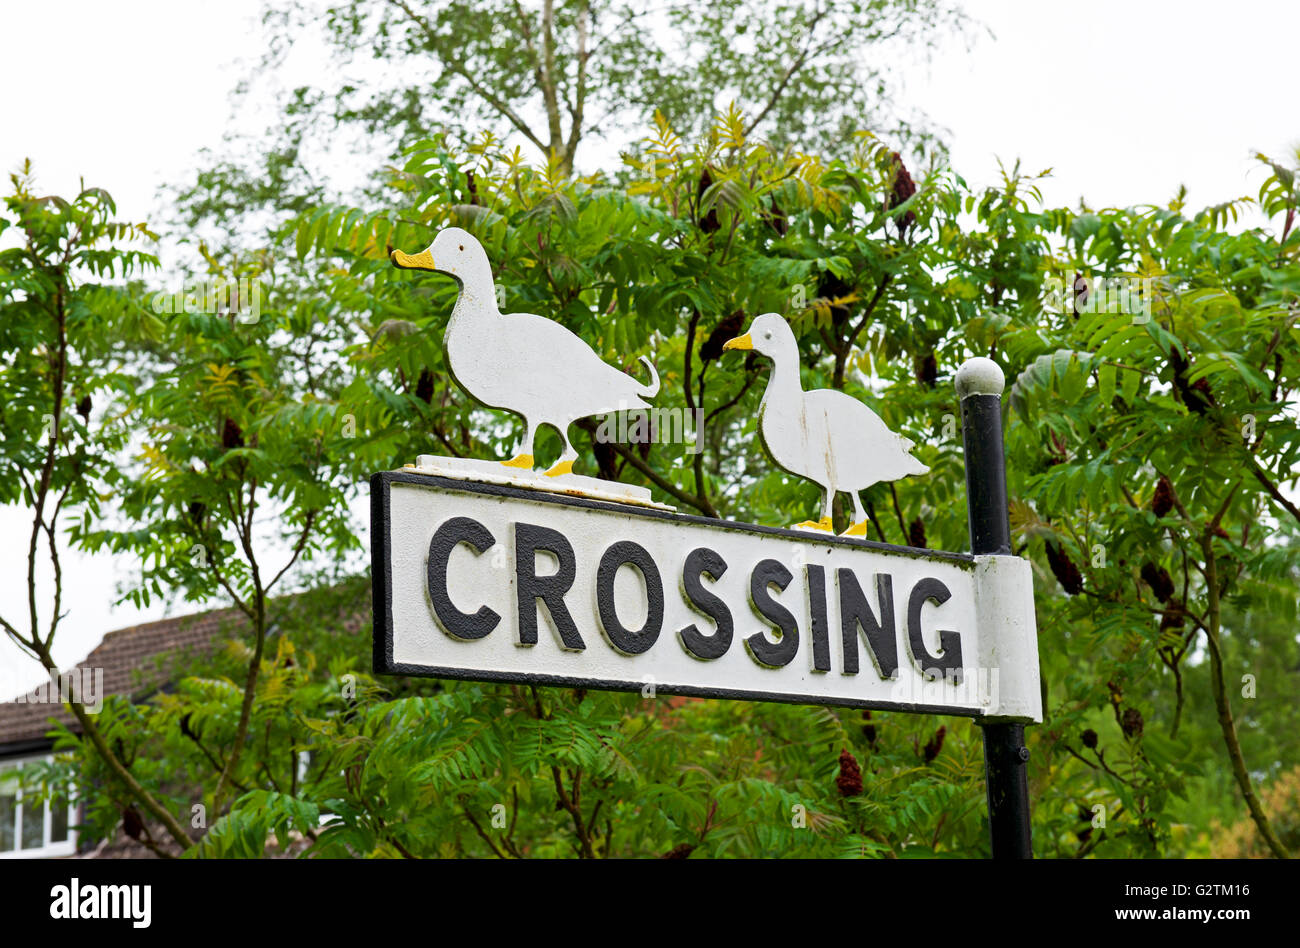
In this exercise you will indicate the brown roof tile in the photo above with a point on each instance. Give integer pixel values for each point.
(135, 661)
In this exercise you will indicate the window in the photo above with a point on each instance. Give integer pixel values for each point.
(30, 827)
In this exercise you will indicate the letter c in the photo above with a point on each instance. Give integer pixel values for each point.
(446, 538)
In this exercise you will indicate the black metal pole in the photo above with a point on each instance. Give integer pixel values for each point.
(979, 388)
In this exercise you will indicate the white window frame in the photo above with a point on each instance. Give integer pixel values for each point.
(47, 849)
(304, 768)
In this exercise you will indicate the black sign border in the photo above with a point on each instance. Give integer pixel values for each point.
(382, 595)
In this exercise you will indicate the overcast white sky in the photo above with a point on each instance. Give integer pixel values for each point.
(1123, 100)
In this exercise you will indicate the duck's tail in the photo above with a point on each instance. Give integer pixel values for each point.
(651, 390)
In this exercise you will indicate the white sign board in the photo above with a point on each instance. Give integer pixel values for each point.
(490, 582)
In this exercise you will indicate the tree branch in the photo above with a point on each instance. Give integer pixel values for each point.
(571, 807)
(297, 550)
(804, 55)
(578, 110)
(459, 68)
(482, 835)
(1273, 491)
(700, 504)
(1221, 704)
(842, 352)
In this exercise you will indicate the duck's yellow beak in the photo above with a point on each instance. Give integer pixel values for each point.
(740, 342)
(420, 261)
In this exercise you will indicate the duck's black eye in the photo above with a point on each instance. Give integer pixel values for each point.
(462, 246)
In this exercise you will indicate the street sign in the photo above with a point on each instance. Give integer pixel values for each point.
(494, 571)
(492, 582)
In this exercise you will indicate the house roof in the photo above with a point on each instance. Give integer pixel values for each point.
(135, 661)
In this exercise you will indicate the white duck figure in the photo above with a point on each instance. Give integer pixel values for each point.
(826, 436)
(523, 363)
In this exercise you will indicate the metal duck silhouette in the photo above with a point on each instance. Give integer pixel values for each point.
(521, 362)
(824, 436)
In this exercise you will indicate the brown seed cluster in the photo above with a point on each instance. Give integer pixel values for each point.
(902, 188)
(424, 386)
(927, 370)
(606, 459)
(1063, 568)
(728, 328)
(1131, 722)
(1174, 617)
(132, 824)
(1163, 500)
(231, 435)
(849, 782)
(934, 745)
(1197, 396)
(869, 730)
(1080, 300)
(831, 287)
(1157, 577)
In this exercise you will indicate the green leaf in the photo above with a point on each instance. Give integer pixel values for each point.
(1106, 383)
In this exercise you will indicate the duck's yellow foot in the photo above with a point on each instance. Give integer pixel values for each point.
(858, 529)
(823, 524)
(519, 460)
(562, 467)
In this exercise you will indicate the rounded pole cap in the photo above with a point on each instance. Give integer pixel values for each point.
(980, 376)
